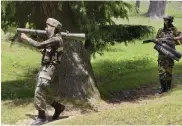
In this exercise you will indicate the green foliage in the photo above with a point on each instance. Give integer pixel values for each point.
(109, 34)
(90, 17)
(86, 13)
(91, 14)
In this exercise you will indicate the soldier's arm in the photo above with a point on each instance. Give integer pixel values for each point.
(47, 43)
(158, 35)
(178, 37)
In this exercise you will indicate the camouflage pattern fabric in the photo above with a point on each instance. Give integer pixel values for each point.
(166, 64)
(44, 92)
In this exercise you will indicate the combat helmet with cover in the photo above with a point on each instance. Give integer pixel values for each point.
(168, 17)
(55, 23)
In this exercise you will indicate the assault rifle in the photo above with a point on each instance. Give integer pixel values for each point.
(66, 35)
(162, 46)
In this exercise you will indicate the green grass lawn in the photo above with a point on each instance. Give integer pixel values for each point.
(121, 67)
(162, 110)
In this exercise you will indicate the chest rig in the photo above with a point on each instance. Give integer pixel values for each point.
(52, 55)
(169, 33)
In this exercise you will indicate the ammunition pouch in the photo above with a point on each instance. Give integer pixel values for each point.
(44, 79)
(47, 56)
(45, 75)
(51, 56)
(57, 55)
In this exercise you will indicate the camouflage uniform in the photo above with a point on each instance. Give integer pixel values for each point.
(166, 64)
(51, 50)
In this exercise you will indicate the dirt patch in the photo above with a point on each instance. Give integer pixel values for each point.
(133, 95)
(70, 112)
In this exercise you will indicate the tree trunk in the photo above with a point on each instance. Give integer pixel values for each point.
(68, 19)
(161, 8)
(138, 6)
(89, 47)
(156, 9)
(74, 78)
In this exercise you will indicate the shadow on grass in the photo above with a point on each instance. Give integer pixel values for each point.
(118, 81)
(21, 89)
(49, 118)
(130, 80)
(18, 89)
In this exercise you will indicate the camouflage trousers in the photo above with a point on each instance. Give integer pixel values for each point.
(44, 93)
(165, 66)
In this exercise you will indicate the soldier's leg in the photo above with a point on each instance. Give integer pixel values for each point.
(50, 95)
(58, 109)
(53, 100)
(42, 92)
(40, 101)
(162, 75)
(169, 77)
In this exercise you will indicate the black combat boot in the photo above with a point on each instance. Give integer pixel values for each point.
(41, 119)
(58, 109)
(163, 86)
(169, 84)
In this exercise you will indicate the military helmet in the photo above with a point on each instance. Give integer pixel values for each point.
(170, 18)
(55, 23)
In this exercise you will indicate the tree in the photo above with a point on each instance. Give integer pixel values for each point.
(156, 9)
(138, 6)
(74, 78)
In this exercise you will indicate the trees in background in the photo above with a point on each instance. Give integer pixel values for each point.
(137, 6)
(74, 78)
(156, 9)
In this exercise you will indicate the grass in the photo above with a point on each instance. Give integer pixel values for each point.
(121, 67)
(14, 110)
(126, 68)
(19, 65)
(165, 110)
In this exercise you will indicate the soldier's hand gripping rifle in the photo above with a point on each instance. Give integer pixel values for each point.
(162, 46)
(66, 35)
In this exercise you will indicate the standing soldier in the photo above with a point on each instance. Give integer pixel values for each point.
(52, 50)
(166, 64)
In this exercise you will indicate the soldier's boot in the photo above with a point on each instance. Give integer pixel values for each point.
(163, 86)
(41, 119)
(169, 84)
(58, 109)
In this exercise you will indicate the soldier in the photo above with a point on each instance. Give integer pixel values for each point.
(166, 64)
(51, 50)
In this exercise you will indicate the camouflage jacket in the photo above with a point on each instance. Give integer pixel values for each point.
(51, 48)
(171, 32)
